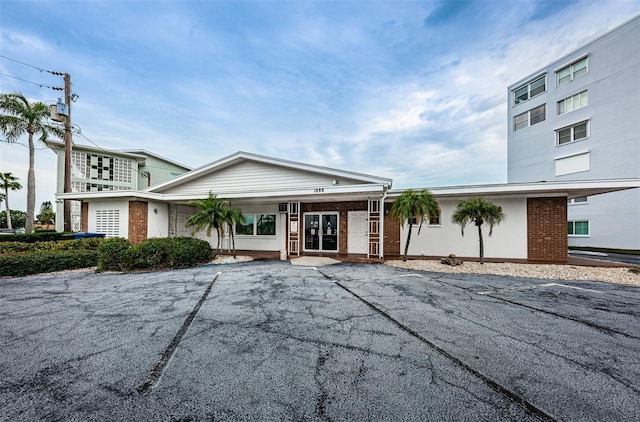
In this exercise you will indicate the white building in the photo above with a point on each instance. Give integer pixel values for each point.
(295, 208)
(95, 169)
(579, 119)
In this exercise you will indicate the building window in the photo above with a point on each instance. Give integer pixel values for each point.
(578, 228)
(529, 118)
(434, 220)
(578, 200)
(574, 70)
(530, 90)
(257, 225)
(573, 102)
(246, 228)
(572, 133)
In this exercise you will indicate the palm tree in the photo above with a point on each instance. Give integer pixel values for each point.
(8, 182)
(419, 205)
(231, 217)
(47, 216)
(478, 211)
(212, 214)
(30, 118)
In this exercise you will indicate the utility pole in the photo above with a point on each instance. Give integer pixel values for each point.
(68, 144)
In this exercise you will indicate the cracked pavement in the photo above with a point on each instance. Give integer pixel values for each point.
(272, 341)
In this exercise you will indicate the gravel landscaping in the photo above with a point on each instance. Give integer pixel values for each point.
(541, 271)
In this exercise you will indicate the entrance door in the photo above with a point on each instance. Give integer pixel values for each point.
(321, 232)
(358, 239)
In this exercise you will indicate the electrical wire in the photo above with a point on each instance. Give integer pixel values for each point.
(55, 88)
(32, 66)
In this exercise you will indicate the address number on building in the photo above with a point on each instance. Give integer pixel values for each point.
(318, 190)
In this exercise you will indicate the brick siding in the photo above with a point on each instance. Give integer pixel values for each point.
(391, 233)
(547, 229)
(138, 216)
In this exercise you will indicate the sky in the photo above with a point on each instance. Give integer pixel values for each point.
(412, 91)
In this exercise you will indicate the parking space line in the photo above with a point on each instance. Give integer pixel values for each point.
(160, 366)
(535, 286)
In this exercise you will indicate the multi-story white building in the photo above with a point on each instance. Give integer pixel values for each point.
(579, 119)
(95, 169)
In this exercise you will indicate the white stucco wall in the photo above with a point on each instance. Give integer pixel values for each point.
(157, 220)
(254, 243)
(509, 239)
(122, 206)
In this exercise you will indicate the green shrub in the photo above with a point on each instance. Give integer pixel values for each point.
(51, 246)
(154, 253)
(115, 255)
(15, 247)
(21, 264)
(36, 237)
(188, 252)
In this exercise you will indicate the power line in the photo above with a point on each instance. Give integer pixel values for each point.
(32, 66)
(55, 88)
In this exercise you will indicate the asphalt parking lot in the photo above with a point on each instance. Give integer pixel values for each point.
(266, 340)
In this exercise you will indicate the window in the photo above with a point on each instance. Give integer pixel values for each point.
(578, 228)
(257, 225)
(573, 103)
(572, 133)
(578, 200)
(435, 219)
(529, 118)
(530, 90)
(574, 70)
(245, 228)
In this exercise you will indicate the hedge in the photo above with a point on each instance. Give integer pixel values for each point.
(21, 264)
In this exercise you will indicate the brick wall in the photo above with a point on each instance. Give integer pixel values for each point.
(391, 233)
(138, 216)
(547, 229)
(343, 208)
(84, 217)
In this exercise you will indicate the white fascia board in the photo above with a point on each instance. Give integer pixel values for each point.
(320, 193)
(86, 148)
(145, 153)
(537, 189)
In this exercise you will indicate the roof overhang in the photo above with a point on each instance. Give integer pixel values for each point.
(325, 194)
(572, 189)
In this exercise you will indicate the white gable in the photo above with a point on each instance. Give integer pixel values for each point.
(253, 176)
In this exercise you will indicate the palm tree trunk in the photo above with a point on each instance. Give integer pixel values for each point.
(406, 246)
(481, 244)
(6, 203)
(31, 187)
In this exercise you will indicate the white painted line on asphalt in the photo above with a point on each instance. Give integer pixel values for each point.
(535, 286)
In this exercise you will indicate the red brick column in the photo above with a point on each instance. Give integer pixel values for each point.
(138, 221)
(84, 217)
(547, 229)
(391, 233)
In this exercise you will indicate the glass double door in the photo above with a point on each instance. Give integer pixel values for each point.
(321, 232)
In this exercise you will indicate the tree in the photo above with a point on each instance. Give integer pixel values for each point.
(231, 217)
(414, 205)
(478, 211)
(8, 182)
(212, 214)
(47, 214)
(30, 118)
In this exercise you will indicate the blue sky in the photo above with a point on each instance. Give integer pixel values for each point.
(413, 91)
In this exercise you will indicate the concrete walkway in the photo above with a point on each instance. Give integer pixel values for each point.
(314, 261)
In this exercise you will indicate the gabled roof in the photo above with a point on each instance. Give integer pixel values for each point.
(244, 157)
